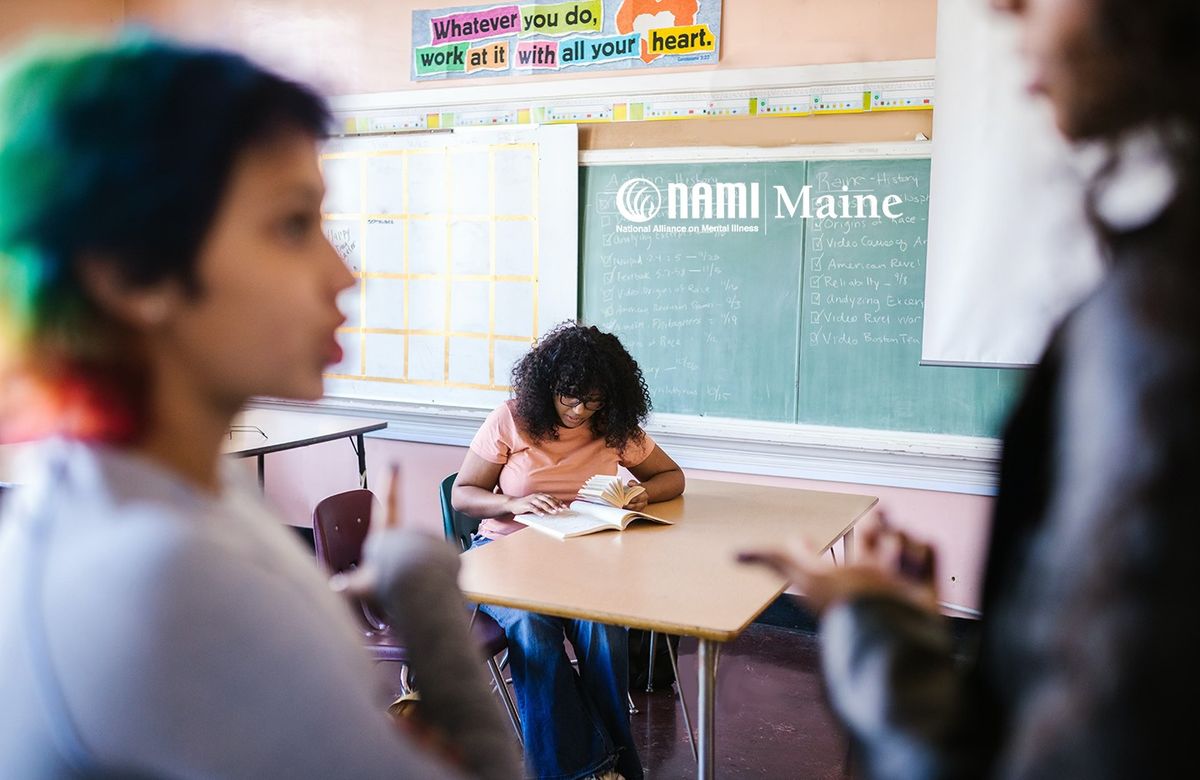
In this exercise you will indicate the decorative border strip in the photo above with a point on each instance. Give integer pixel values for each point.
(764, 92)
(858, 99)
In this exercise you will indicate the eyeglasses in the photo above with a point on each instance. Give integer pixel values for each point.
(591, 404)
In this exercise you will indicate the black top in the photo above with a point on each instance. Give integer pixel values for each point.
(1085, 663)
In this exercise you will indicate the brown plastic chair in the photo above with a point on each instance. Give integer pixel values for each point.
(340, 525)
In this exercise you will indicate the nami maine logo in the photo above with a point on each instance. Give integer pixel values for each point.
(639, 200)
(697, 204)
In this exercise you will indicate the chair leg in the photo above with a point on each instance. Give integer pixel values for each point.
(650, 666)
(506, 697)
(406, 686)
(687, 721)
(502, 664)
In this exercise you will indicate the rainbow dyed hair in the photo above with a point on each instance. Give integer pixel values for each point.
(120, 151)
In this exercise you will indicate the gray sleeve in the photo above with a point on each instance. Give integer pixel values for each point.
(420, 590)
(891, 676)
(201, 664)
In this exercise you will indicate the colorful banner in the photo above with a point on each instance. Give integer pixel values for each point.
(536, 38)
(797, 102)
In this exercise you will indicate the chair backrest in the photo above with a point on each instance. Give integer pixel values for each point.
(340, 525)
(456, 525)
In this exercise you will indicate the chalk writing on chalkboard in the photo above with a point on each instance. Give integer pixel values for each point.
(805, 320)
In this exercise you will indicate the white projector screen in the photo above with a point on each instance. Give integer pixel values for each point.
(1009, 250)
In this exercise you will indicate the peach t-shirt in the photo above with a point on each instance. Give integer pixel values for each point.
(558, 467)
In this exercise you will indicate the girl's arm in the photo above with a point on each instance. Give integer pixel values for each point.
(660, 476)
(474, 493)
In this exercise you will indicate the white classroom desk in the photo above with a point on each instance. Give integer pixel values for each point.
(256, 433)
(679, 579)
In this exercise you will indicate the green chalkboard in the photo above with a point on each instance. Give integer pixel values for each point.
(690, 306)
(738, 304)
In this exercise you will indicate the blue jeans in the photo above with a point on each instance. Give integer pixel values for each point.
(573, 724)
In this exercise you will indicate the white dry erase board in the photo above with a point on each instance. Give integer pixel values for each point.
(464, 248)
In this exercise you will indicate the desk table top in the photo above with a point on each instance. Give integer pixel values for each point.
(679, 579)
(262, 431)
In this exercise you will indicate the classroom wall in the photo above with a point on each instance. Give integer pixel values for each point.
(21, 18)
(352, 46)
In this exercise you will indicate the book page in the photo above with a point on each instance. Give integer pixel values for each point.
(565, 524)
(608, 489)
(612, 515)
(615, 516)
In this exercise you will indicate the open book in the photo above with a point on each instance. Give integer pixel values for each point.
(598, 507)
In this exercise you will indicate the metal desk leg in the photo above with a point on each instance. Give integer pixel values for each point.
(362, 462)
(262, 472)
(848, 547)
(707, 670)
(683, 707)
(650, 665)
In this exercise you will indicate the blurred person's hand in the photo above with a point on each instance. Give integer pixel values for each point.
(406, 715)
(887, 563)
(394, 559)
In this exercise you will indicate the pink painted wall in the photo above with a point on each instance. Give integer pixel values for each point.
(298, 479)
(21, 18)
(354, 46)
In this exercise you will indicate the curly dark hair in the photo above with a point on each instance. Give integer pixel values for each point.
(581, 360)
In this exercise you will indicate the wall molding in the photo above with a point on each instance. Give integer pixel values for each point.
(750, 81)
(803, 90)
(921, 461)
(735, 154)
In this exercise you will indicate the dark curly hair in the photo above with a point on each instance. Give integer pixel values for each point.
(579, 360)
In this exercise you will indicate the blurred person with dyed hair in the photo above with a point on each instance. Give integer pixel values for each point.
(161, 262)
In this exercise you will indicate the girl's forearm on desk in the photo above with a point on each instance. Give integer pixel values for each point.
(477, 502)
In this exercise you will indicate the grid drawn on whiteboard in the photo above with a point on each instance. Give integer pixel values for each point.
(480, 306)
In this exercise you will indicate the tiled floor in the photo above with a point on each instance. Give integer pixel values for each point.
(772, 720)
